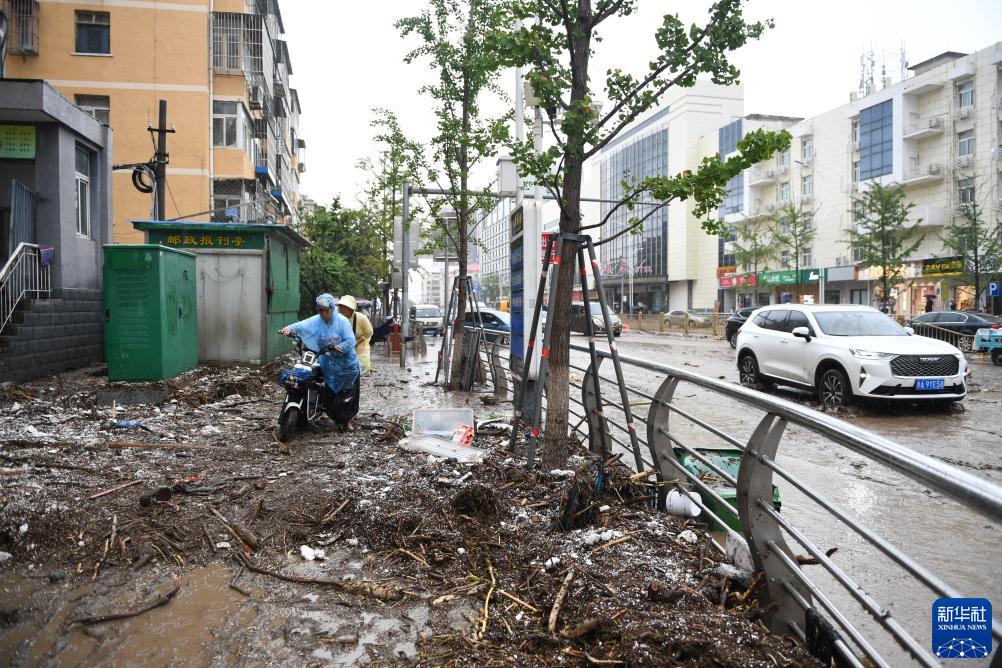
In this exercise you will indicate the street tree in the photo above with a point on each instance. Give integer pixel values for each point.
(345, 257)
(555, 41)
(883, 237)
(792, 231)
(494, 287)
(977, 239)
(398, 159)
(753, 249)
(452, 37)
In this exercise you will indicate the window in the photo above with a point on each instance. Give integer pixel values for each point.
(965, 93)
(807, 220)
(808, 258)
(784, 158)
(855, 171)
(857, 296)
(855, 130)
(759, 319)
(224, 123)
(776, 320)
(83, 191)
(875, 140)
(965, 191)
(798, 319)
(93, 32)
(965, 143)
(857, 256)
(807, 185)
(806, 148)
(96, 105)
(784, 259)
(784, 191)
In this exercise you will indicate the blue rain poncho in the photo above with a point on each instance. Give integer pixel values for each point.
(340, 367)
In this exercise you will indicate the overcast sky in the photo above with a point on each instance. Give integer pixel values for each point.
(348, 58)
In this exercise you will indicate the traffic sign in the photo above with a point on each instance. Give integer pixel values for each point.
(994, 289)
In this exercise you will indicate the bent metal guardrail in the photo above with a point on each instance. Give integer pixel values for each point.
(24, 273)
(791, 593)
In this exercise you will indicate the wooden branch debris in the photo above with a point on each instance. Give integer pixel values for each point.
(240, 532)
(381, 592)
(163, 599)
(113, 490)
(559, 601)
(331, 515)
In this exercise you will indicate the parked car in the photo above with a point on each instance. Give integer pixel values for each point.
(676, 318)
(962, 322)
(579, 323)
(427, 319)
(847, 352)
(734, 323)
(497, 324)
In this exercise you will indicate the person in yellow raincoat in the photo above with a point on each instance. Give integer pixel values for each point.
(348, 307)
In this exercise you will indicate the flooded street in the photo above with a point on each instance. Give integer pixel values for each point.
(957, 545)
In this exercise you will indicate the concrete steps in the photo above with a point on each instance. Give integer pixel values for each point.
(47, 336)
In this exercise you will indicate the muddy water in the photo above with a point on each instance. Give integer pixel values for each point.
(956, 544)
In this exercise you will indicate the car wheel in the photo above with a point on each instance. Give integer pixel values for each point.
(834, 390)
(997, 357)
(748, 371)
(732, 339)
(966, 344)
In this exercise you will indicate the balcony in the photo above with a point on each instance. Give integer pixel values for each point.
(22, 29)
(759, 176)
(924, 174)
(928, 216)
(923, 127)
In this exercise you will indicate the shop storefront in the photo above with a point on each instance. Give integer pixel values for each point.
(935, 279)
(747, 292)
(789, 287)
(842, 286)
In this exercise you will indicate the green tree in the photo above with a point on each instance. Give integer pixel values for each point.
(753, 249)
(882, 237)
(346, 257)
(978, 240)
(398, 160)
(494, 287)
(556, 44)
(792, 231)
(453, 38)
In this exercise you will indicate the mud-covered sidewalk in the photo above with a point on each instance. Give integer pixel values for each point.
(348, 550)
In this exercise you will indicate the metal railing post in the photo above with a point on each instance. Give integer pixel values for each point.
(761, 531)
(500, 377)
(662, 452)
(591, 400)
(685, 324)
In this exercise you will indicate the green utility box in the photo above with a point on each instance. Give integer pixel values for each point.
(150, 329)
(727, 460)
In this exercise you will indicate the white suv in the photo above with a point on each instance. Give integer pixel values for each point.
(843, 352)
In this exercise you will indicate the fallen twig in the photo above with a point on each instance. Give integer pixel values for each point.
(502, 592)
(381, 592)
(238, 531)
(487, 602)
(163, 599)
(623, 539)
(113, 490)
(332, 514)
(643, 474)
(578, 630)
(559, 601)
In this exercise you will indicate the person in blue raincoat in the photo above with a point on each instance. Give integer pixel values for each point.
(330, 329)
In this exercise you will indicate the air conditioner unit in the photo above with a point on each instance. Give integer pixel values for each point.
(933, 123)
(934, 169)
(256, 97)
(962, 161)
(770, 207)
(997, 152)
(854, 147)
(962, 113)
(841, 260)
(783, 169)
(805, 199)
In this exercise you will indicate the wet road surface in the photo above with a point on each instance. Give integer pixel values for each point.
(959, 546)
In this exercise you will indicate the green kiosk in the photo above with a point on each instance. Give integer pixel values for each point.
(247, 284)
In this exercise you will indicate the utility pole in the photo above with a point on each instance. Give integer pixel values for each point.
(160, 160)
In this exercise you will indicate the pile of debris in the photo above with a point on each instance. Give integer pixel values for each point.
(472, 563)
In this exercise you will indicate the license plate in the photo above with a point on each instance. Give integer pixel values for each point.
(929, 384)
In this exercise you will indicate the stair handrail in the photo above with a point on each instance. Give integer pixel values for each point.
(22, 273)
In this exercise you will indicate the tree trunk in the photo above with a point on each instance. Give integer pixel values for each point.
(463, 214)
(557, 388)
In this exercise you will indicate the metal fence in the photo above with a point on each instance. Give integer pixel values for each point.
(795, 597)
(25, 274)
(710, 324)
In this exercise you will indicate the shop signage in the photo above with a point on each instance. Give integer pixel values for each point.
(943, 266)
(746, 279)
(786, 277)
(17, 141)
(723, 271)
(199, 239)
(905, 271)
(727, 281)
(544, 238)
(834, 274)
(810, 275)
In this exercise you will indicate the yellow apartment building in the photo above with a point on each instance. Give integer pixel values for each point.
(222, 66)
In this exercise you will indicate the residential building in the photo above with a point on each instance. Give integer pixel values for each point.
(223, 68)
(55, 217)
(938, 134)
(665, 265)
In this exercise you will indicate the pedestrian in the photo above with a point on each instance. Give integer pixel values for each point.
(330, 333)
(929, 299)
(360, 325)
(953, 305)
